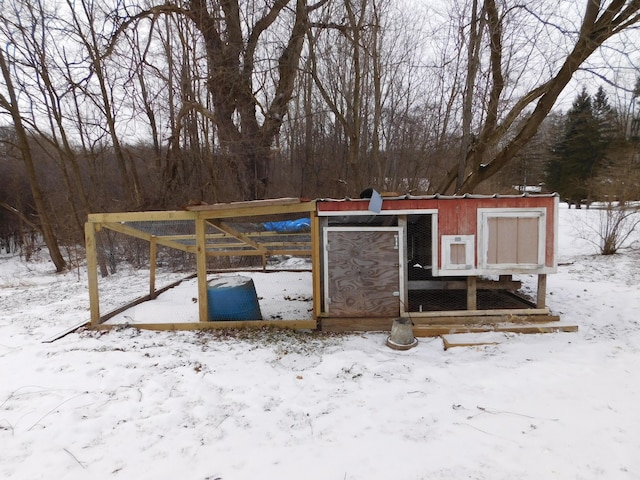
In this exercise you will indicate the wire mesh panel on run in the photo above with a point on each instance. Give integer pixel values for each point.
(258, 268)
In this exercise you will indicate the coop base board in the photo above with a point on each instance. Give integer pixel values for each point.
(437, 326)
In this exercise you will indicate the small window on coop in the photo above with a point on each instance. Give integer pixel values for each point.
(512, 239)
(458, 252)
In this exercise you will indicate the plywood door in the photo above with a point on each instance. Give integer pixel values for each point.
(363, 273)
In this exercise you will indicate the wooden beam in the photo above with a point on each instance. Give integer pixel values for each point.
(140, 216)
(277, 234)
(479, 322)
(257, 210)
(270, 245)
(67, 331)
(201, 268)
(484, 319)
(134, 232)
(287, 324)
(232, 232)
(472, 297)
(234, 253)
(293, 252)
(475, 313)
(269, 202)
(481, 284)
(153, 253)
(92, 271)
(344, 324)
(241, 253)
(127, 230)
(471, 339)
(438, 330)
(316, 265)
(229, 245)
(541, 297)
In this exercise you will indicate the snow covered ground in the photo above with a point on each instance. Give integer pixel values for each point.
(264, 405)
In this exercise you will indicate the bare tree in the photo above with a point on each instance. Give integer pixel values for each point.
(497, 143)
(12, 106)
(235, 37)
(100, 84)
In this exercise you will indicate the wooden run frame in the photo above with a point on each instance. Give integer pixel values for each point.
(228, 242)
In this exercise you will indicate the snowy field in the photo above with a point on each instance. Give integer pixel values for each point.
(133, 404)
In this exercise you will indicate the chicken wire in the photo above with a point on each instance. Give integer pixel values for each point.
(430, 293)
(250, 248)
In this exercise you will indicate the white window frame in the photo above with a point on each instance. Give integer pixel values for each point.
(484, 214)
(469, 247)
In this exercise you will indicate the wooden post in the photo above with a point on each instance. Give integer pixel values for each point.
(404, 306)
(153, 250)
(472, 289)
(541, 300)
(316, 267)
(201, 268)
(92, 272)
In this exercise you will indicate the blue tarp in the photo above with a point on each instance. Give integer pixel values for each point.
(289, 226)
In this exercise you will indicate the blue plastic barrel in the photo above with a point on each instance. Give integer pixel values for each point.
(232, 298)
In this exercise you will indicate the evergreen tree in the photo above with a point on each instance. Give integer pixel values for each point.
(582, 148)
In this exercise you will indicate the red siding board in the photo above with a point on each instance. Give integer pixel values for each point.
(457, 216)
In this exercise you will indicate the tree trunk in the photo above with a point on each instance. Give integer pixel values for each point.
(600, 22)
(46, 229)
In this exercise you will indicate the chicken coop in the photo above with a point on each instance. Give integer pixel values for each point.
(449, 263)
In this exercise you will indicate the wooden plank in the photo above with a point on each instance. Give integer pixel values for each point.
(134, 232)
(472, 339)
(472, 293)
(293, 252)
(232, 232)
(234, 253)
(438, 330)
(229, 245)
(462, 284)
(277, 234)
(201, 268)
(541, 296)
(444, 324)
(288, 324)
(92, 271)
(344, 324)
(67, 331)
(241, 253)
(316, 265)
(272, 245)
(153, 252)
(484, 319)
(257, 210)
(474, 313)
(141, 216)
(244, 204)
